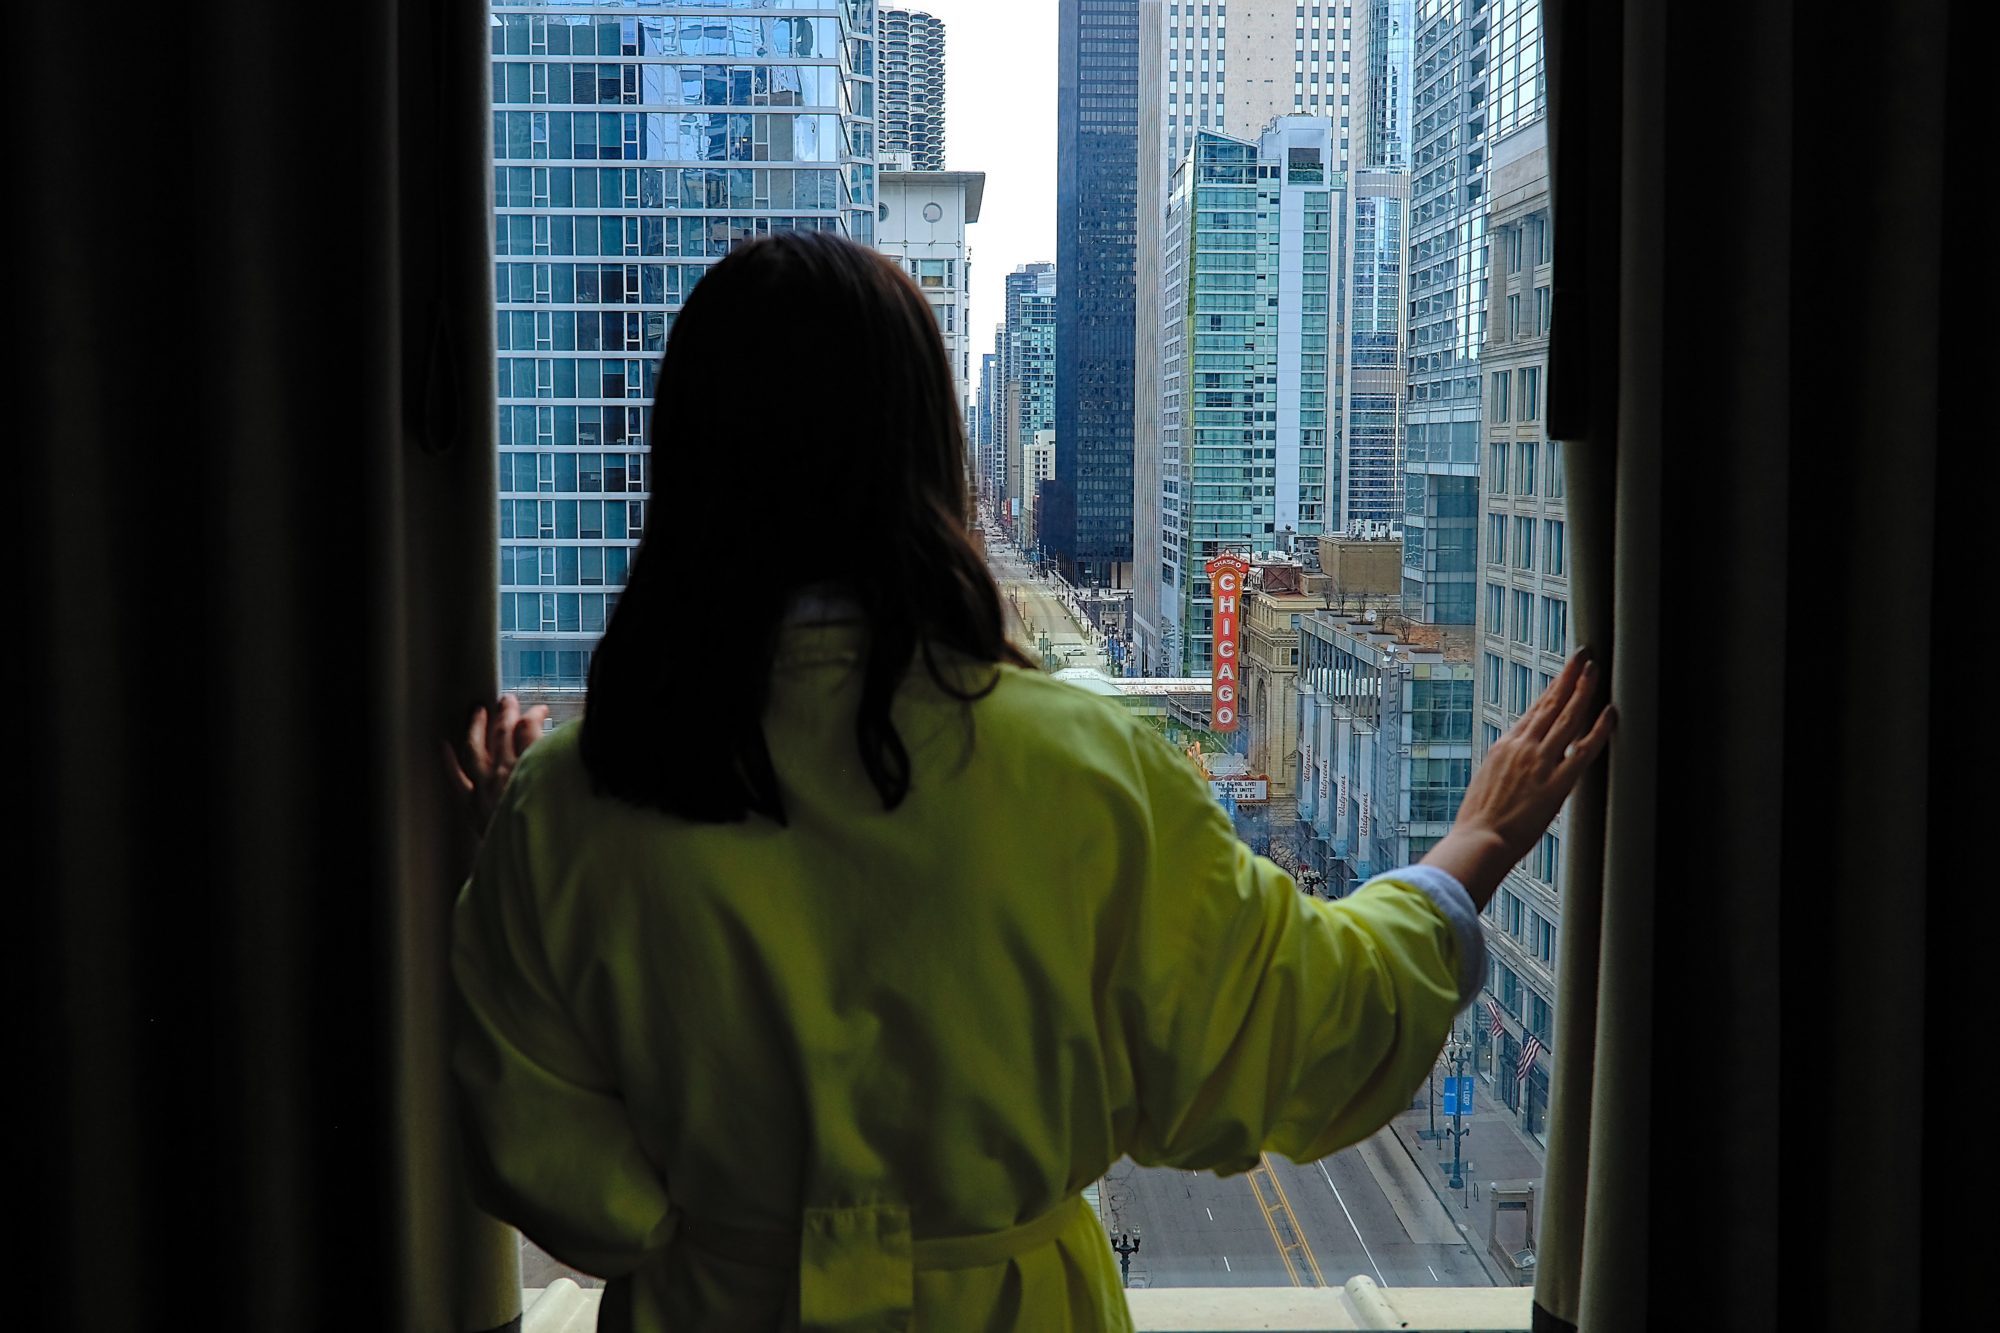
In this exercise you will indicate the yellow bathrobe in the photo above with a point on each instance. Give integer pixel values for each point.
(852, 1073)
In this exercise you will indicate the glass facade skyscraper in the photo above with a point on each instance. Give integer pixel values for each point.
(1028, 378)
(1477, 73)
(1281, 368)
(632, 148)
(1088, 525)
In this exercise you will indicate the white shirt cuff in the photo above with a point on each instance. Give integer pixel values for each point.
(1443, 888)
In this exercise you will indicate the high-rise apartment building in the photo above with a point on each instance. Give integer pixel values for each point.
(1477, 73)
(1524, 615)
(921, 223)
(1028, 382)
(982, 434)
(1232, 67)
(910, 100)
(632, 148)
(1366, 485)
(1088, 525)
(1280, 359)
(1381, 85)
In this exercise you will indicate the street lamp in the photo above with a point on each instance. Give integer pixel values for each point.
(1127, 1245)
(1454, 1052)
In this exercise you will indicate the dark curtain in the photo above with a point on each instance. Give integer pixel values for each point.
(255, 596)
(1766, 325)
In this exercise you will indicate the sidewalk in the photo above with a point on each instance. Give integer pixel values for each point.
(1494, 1148)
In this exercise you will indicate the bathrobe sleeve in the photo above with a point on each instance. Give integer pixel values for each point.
(1258, 1018)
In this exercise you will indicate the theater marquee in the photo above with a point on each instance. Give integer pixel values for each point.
(1225, 580)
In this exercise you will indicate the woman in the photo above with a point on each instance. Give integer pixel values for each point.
(809, 980)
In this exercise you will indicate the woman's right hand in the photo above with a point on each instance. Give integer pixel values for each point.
(1524, 779)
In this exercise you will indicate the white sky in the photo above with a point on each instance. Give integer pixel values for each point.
(1000, 118)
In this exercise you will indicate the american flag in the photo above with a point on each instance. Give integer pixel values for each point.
(1531, 1049)
(1496, 1026)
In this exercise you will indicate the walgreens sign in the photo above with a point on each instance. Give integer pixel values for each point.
(1225, 580)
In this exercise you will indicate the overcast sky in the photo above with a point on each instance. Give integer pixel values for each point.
(1000, 118)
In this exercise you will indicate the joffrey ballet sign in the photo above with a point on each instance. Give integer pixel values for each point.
(1225, 581)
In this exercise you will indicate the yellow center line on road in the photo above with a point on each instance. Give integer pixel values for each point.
(1286, 1233)
(1305, 1246)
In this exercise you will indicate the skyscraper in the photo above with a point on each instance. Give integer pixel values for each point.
(1381, 85)
(921, 223)
(1234, 66)
(1281, 345)
(910, 58)
(1524, 620)
(1477, 75)
(1028, 382)
(982, 431)
(1088, 526)
(632, 149)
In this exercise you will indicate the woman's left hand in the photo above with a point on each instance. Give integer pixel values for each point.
(495, 739)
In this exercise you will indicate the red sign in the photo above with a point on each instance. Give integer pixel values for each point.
(1225, 580)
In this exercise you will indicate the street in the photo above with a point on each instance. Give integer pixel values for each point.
(1364, 1210)
(1035, 610)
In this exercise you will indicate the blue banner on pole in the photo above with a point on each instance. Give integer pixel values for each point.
(1465, 1094)
(1451, 1096)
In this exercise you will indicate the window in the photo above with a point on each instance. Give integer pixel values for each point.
(1520, 688)
(1529, 406)
(1496, 539)
(1524, 467)
(1545, 941)
(1547, 858)
(1493, 667)
(1497, 401)
(1496, 468)
(1555, 626)
(1524, 616)
(1556, 485)
(1524, 543)
(1496, 607)
(1554, 556)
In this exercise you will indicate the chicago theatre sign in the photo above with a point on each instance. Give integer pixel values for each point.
(1225, 581)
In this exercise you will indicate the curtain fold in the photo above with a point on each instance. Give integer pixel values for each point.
(257, 569)
(1758, 358)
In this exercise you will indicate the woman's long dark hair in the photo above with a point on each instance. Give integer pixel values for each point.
(805, 433)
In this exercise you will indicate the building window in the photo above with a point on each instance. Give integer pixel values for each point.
(1493, 665)
(1545, 941)
(1556, 484)
(1498, 401)
(1496, 539)
(1520, 688)
(1555, 626)
(1548, 860)
(1524, 608)
(1531, 393)
(1524, 543)
(1496, 468)
(1496, 607)
(1554, 554)
(1524, 468)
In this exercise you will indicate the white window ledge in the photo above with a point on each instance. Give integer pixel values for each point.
(564, 1307)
